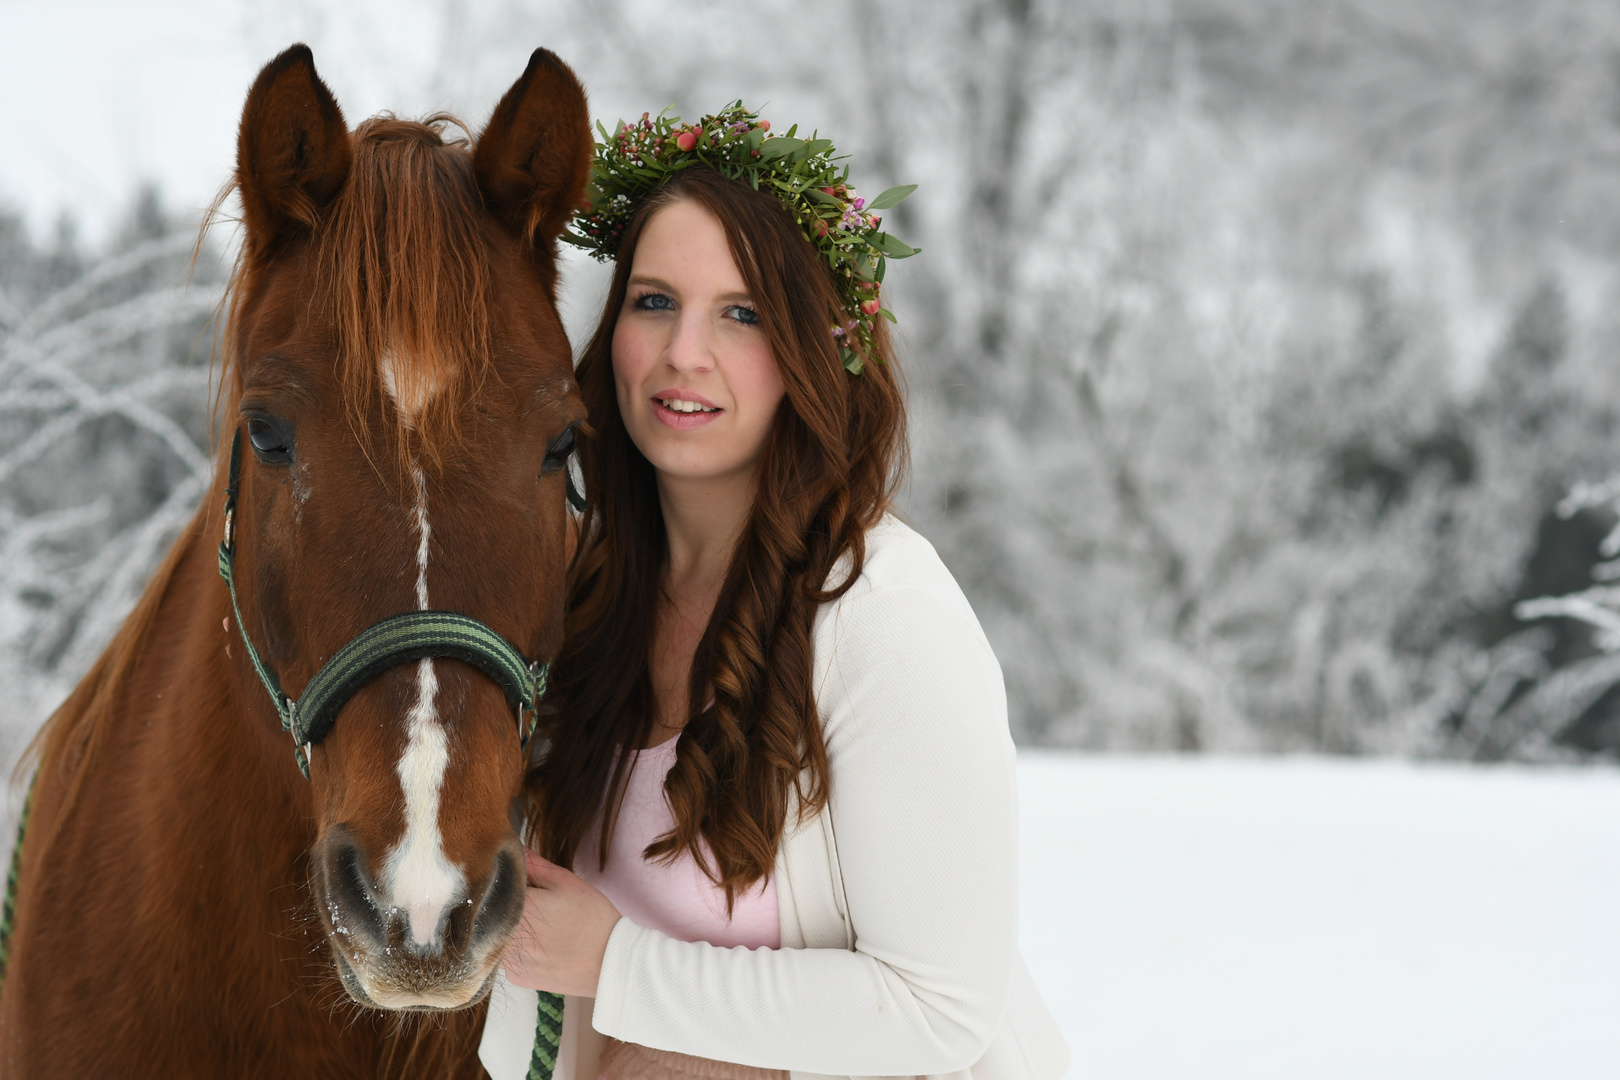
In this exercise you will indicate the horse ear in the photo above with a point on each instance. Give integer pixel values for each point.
(292, 150)
(534, 155)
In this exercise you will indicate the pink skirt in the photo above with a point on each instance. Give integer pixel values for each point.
(631, 1061)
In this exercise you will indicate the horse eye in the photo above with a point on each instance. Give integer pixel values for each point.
(267, 441)
(557, 453)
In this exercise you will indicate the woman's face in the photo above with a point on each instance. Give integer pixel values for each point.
(698, 386)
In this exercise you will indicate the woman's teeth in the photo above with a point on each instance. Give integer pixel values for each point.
(676, 405)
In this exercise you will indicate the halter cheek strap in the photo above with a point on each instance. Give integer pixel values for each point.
(399, 639)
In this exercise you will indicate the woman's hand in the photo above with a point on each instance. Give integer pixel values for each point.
(566, 923)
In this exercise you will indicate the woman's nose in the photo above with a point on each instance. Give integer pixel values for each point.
(691, 347)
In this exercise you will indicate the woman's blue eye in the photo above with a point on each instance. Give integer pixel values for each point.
(745, 315)
(654, 302)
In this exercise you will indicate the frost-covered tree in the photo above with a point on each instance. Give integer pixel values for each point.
(1251, 347)
(104, 368)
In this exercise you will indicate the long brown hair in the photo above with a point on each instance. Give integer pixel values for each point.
(833, 457)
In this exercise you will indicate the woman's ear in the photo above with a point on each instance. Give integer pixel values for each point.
(534, 155)
(292, 150)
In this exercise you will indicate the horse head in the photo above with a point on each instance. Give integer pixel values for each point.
(402, 392)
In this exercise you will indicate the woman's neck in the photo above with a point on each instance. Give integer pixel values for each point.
(702, 521)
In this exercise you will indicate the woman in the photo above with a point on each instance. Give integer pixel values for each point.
(779, 761)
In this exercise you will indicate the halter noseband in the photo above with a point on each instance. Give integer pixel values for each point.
(399, 639)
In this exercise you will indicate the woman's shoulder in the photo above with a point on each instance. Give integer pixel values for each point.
(900, 661)
(902, 580)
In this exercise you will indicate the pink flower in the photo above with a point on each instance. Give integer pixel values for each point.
(686, 140)
(764, 125)
(871, 307)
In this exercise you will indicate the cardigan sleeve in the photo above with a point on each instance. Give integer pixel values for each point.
(924, 810)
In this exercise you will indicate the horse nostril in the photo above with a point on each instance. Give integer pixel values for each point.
(350, 904)
(502, 906)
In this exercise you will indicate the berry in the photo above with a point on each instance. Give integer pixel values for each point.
(764, 125)
(686, 140)
(871, 307)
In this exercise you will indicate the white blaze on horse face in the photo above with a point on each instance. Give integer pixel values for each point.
(424, 532)
(418, 877)
(407, 383)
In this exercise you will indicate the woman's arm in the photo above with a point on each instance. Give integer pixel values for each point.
(924, 810)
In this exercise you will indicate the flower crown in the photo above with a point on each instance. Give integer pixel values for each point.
(802, 173)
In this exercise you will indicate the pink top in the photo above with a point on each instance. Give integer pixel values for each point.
(677, 898)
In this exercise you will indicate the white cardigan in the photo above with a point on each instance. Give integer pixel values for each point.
(899, 901)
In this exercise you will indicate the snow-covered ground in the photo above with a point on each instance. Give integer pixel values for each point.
(1319, 919)
(1312, 919)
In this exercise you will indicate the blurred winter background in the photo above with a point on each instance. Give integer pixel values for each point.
(1263, 358)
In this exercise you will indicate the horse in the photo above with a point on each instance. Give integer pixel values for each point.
(398, 389)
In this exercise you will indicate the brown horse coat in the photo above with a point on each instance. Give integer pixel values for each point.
(190, 905)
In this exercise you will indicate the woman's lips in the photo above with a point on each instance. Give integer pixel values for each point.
(682, 421)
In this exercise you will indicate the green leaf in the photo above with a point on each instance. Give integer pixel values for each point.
(852, 360)
(822, 197)
(570, 237)
(775, 148)
(893, 248)
(817, 146)
(892, 197)
(883, 265)
(887, 314)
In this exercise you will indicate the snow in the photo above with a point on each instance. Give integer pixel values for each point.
(1317, 919)
(1320, 919)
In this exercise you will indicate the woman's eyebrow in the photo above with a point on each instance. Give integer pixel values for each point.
(649, 280)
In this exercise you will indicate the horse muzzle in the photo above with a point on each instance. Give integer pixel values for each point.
(384, 955)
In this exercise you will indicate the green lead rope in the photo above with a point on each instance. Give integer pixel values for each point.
(8, 914)
(547, 1037)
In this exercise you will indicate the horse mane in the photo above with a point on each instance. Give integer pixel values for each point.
(401, 267)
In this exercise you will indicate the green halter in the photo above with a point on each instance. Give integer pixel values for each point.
(399, 639)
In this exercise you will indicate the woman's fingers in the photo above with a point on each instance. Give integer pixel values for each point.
(564, 931)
